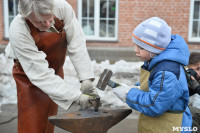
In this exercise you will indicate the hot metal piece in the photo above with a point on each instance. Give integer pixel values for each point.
(88, 121)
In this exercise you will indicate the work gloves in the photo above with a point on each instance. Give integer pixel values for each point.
(89, 94)
(84, 101)
(88, 88)
(121, 91)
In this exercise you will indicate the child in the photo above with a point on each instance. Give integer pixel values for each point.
(163, 95)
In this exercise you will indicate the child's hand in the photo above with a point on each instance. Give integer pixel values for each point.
(121, 91)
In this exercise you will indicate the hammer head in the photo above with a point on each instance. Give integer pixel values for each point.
(104, 79)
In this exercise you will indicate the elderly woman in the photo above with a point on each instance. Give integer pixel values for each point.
(40, 35)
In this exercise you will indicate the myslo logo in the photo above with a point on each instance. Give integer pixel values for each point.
(184, 129)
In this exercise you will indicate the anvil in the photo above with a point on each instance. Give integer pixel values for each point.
(88, 121)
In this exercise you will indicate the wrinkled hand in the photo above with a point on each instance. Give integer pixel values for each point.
(84, 101)
(121, 91)
(88, 88)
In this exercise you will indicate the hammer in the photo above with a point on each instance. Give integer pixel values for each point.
(104, 80)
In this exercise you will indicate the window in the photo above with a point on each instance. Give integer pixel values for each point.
(10, 11)
(99, 19)
(194, 27)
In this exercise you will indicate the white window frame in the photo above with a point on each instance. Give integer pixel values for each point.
(95, 37)
(190, 38)
(6, 16)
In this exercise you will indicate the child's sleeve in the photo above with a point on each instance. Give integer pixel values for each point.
(164, 91)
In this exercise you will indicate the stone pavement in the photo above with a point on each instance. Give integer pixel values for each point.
(8, 121)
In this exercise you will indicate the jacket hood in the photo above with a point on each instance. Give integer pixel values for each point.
(177, 51)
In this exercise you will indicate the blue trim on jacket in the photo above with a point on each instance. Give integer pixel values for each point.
(166, 65)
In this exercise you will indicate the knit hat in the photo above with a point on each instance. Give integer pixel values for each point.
(153, 34)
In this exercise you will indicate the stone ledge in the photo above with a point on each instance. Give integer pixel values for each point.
(108, 53)
(112, 53)
(104, 53)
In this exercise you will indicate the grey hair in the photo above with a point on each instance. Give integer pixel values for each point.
(26, 7)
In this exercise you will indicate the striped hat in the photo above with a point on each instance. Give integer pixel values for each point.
(153, 34)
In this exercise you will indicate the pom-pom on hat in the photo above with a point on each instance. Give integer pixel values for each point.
(153, 34)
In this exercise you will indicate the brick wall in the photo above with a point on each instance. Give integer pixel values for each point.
(132, 12)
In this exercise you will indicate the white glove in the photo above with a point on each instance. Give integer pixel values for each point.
(84, 101)
(121, 91)
(88, 88)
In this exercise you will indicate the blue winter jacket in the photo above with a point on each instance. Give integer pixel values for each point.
(174, 94)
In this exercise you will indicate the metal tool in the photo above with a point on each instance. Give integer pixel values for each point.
(95, 103)
(88, 121)
(104, 80)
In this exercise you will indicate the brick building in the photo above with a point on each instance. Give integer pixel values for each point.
(109, 23)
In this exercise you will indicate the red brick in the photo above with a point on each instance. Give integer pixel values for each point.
(132, 12)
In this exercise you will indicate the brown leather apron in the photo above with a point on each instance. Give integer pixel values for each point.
(34, 106)
(158, 124)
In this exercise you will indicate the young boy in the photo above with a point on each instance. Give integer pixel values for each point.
(163, 95)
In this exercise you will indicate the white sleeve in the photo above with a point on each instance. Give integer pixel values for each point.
(37, 70)
(76, 41)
